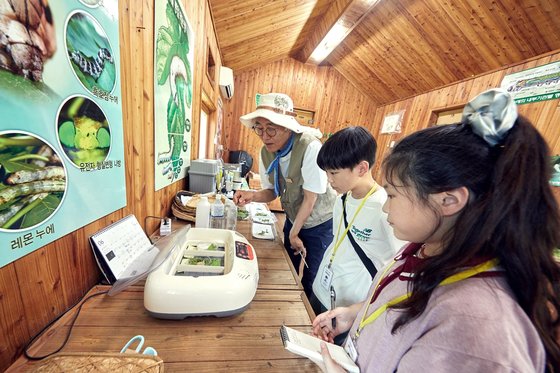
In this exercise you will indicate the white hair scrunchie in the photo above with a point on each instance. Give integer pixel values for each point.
(491, 115)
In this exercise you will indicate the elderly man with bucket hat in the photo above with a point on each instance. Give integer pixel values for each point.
(288, 169)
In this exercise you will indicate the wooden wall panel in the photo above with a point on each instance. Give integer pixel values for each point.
(545, 115)
(42, 285)
(405, 48)
(14, 329)
(336, 102)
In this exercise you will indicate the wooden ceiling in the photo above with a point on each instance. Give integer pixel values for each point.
(400, 48)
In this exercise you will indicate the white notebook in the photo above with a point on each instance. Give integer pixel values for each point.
(306, 345)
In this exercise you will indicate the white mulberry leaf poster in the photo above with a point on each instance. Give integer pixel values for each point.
(61, 135)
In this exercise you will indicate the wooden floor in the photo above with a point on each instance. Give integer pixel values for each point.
(247, 342)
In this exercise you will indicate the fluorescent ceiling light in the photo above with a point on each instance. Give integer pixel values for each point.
(348, 19)
(335, 35)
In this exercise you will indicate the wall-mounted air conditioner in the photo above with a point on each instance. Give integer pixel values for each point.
(226, 82)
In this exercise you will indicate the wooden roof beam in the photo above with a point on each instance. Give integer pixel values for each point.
(337, 22)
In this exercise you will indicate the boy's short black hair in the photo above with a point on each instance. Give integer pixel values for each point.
(346, 148)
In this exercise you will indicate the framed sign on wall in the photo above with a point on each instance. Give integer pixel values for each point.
(539, 83)
(392, 122)
(305, 117)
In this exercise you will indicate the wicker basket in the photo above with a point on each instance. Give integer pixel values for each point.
(179, 210)
(100, 363)
(188, 211)
(181, 214)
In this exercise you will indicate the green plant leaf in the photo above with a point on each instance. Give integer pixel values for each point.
(67, 133)
(104, 138)
(42, 211)
(83, 36)
(164, 44)
(13, 166)
(171, 112)
(17, 90)
(106, 80)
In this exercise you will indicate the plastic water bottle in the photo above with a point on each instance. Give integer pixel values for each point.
(203, 213)
(231, 215)
(217, 210)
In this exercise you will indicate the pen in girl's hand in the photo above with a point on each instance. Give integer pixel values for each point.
(333, 300)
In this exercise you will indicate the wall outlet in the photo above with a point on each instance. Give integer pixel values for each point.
(165, 227)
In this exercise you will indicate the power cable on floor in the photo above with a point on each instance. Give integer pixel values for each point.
(26, 352)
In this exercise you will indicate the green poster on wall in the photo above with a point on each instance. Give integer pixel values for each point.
(61, 135)
(536, 84)
(555, 179)
(173, 92)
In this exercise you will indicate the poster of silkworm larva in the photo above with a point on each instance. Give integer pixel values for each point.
(61, 136)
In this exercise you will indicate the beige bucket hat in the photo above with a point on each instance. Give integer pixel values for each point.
(279, 109)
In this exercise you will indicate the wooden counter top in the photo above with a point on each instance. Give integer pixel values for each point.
(246, 342)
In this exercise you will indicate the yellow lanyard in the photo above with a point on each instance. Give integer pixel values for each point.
(483, 267)
(339, 241)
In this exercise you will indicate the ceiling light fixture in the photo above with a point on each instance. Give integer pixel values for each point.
(335, 35)
(350, 18)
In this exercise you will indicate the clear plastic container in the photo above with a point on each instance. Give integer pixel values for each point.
(230, 215)
(203, 213)
(217, 214)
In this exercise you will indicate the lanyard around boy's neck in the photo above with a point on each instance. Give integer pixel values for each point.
(469, 272)
(339, 240)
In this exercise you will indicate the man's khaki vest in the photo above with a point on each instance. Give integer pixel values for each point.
(291, 190)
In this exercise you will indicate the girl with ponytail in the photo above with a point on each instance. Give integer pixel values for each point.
(477, 289)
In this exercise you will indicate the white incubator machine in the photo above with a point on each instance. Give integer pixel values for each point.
(205, 272)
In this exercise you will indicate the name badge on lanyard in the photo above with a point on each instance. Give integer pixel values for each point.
(350, 348)
(326, 278)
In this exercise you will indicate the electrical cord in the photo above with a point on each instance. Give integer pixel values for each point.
(30, 343)
(67, 337)
(152, 217)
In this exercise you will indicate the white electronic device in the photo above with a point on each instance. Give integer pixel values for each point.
(210, 272)
(226, 82)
